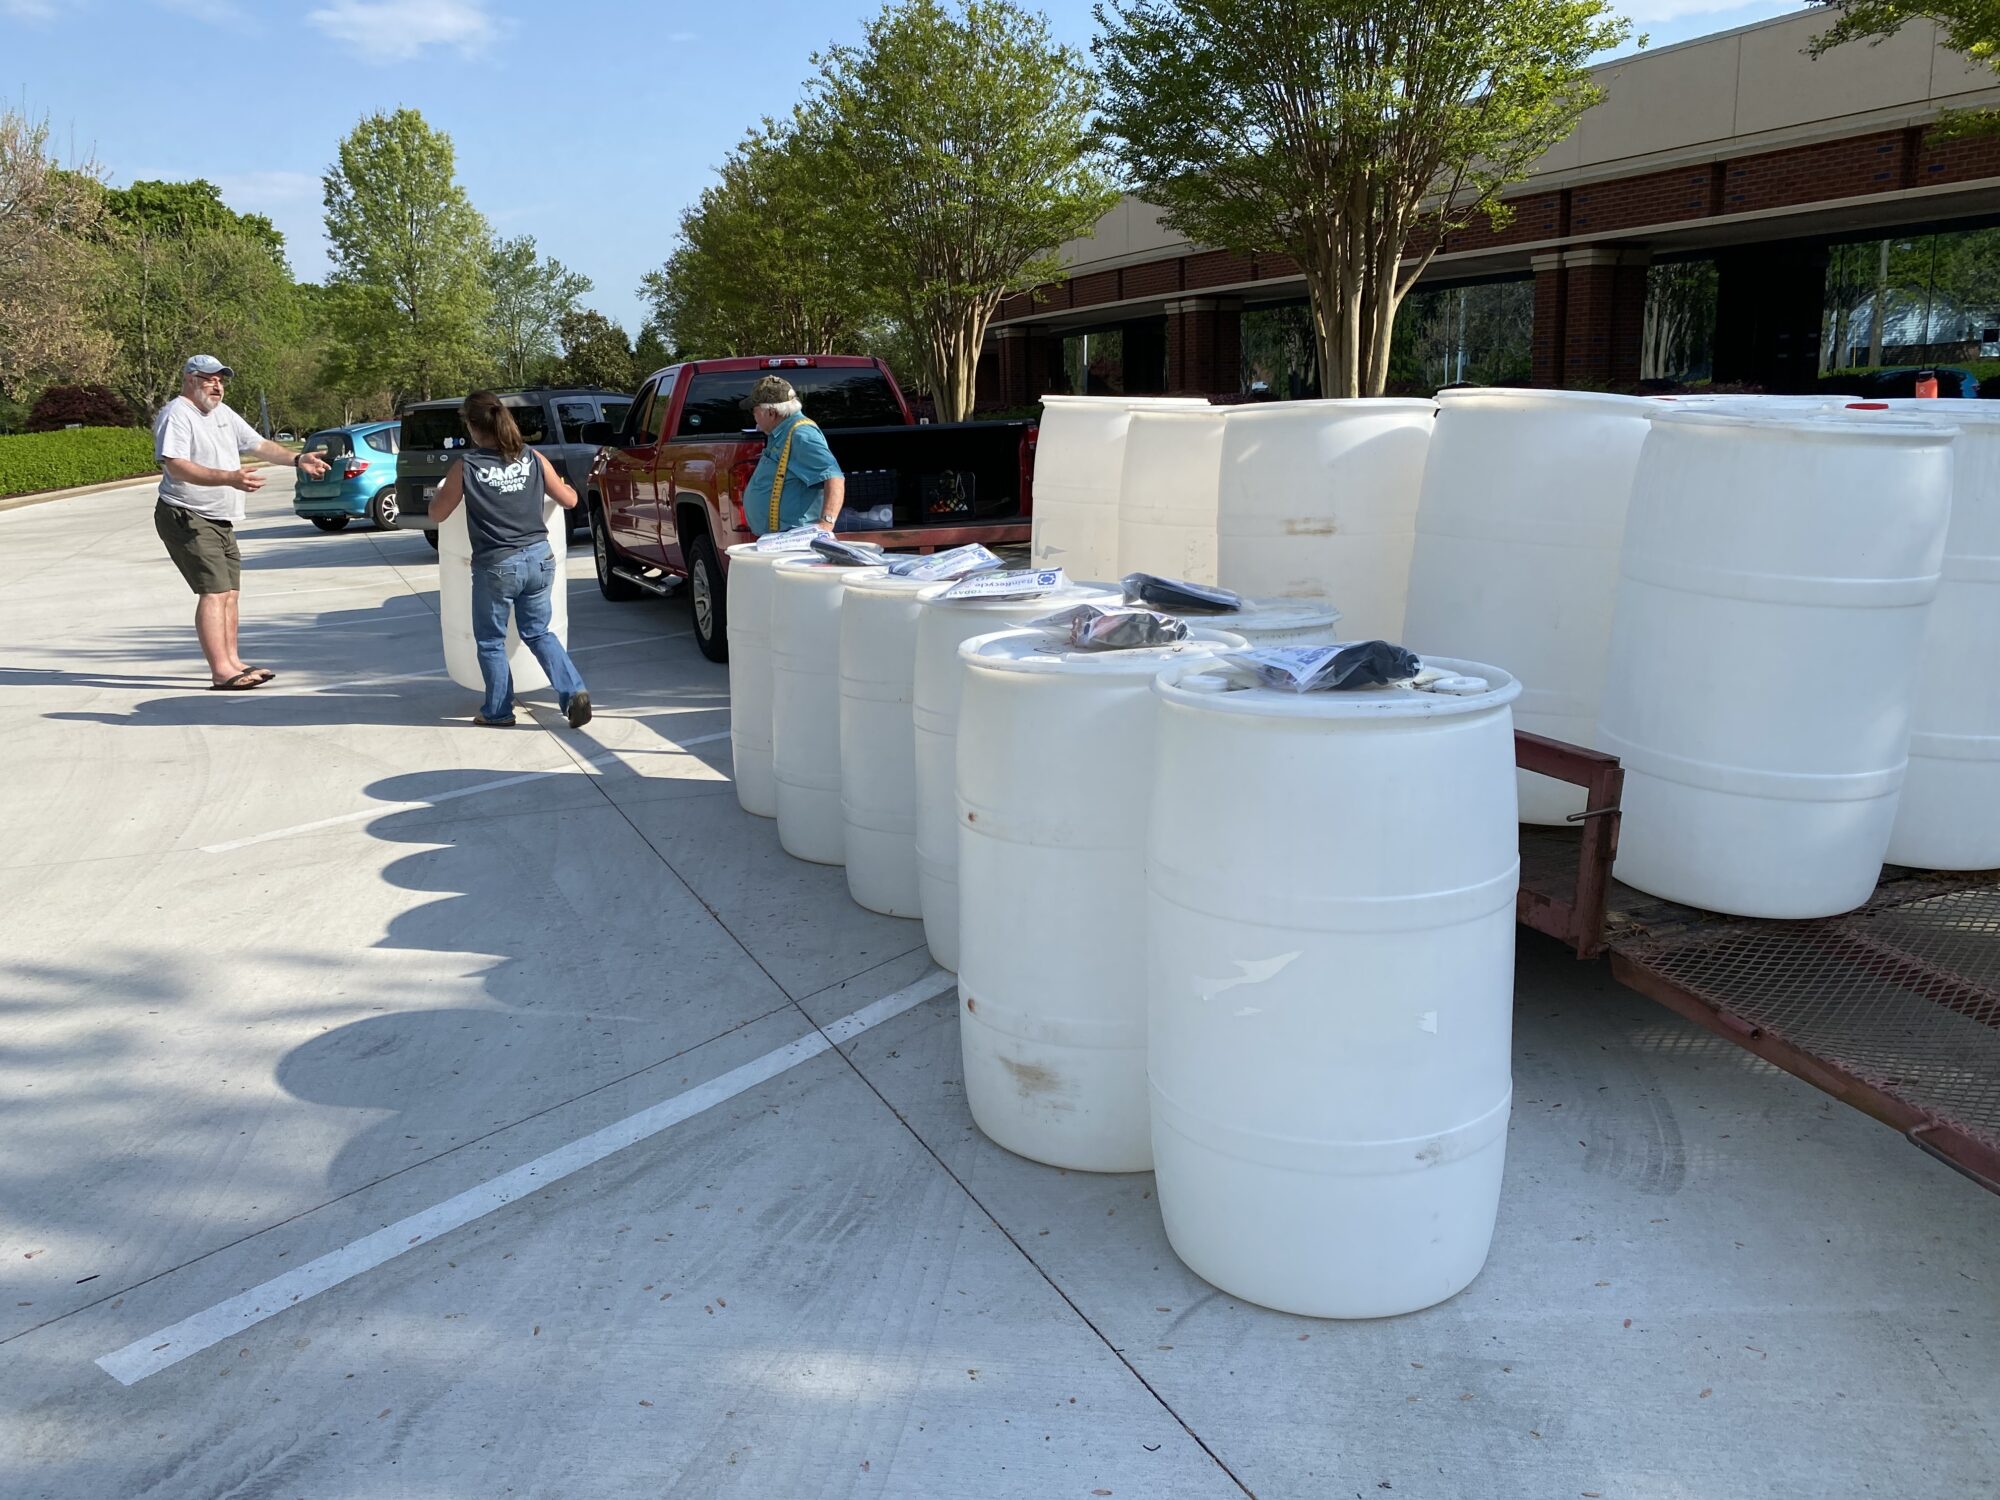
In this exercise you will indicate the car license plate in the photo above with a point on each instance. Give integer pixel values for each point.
(430, 493)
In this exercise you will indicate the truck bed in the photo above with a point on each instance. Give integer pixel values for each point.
(944, 484)
(1893, 1008)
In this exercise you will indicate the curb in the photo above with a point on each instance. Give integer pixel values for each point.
(42, 497)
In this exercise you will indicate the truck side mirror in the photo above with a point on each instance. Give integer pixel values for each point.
(598, 434)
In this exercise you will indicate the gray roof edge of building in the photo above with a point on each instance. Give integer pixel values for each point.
(1814, 19)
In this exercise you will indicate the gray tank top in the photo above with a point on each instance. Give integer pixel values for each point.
(503, 501)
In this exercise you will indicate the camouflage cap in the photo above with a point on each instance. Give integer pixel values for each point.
(772, 390)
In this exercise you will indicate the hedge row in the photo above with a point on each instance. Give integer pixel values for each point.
(81, 455)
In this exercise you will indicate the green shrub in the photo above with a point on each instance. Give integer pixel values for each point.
(81, 455)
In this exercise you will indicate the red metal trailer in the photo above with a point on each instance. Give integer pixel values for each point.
(1893, 1008)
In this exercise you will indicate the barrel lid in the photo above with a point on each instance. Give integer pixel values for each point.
(882, 581)
(1268, 616)
(1946, 413)
(747, 552)
(1838, 426)
(1332, 406)
(790, 564)
(1047, 651)
(1125, 403)
(1216, 687)
(1522, 398)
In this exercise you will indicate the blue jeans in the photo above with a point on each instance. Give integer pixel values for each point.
(525, 579)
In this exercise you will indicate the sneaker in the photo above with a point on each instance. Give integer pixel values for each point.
(578, 709)
(506, 723)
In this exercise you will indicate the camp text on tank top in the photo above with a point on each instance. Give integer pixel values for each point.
(503, 501)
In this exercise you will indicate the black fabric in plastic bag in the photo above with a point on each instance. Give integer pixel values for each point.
(847, 554)
(1178, 596)
(1329, 669)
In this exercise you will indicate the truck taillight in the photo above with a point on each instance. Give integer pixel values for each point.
(356, 467)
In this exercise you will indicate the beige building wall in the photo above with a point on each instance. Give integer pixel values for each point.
(1736, 93)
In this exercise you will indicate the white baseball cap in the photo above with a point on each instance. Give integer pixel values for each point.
(207, 364)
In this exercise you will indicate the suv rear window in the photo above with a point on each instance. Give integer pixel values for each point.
(382, 440)
(833, 398)
(439, 427)
(333, 444)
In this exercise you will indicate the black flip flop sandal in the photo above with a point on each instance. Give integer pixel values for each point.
(242, 682)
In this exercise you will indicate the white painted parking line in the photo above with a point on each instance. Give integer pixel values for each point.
(635, 640)
(381, 809)
(169, 1346)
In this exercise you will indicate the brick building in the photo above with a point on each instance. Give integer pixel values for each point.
(1736, 146)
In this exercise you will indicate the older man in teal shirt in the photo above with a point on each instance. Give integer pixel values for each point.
(796, 481)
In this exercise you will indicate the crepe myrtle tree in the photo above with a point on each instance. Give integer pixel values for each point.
(962, 139)
(1352, 135)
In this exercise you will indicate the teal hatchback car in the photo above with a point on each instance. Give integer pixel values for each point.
(360, 479)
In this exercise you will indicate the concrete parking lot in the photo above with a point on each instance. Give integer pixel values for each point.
(392, 1108)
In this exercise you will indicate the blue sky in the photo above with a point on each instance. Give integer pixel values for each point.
(588, 124)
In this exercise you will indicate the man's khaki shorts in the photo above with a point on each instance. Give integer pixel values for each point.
(205, 551)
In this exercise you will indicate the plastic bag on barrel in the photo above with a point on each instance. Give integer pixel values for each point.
(1093, 627)
(1177, 595)
(846, 554)
(798, 539)
(1341, 667)
(956, 562)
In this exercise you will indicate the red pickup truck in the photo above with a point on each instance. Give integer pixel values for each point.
(666, 492)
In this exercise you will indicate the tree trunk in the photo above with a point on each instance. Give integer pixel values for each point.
(1875, 307)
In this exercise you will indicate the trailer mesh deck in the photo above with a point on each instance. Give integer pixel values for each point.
(1894, 1008)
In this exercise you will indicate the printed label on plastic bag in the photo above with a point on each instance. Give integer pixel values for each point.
(1024, 585)
(957, 562)
(798, 539)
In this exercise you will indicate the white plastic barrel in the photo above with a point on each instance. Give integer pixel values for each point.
(1773, 597)
(878, 768)
(1167, 496)
(942, 628)
(461, 650)
(1055, 751)
(1948, 817)
(805, 705)
(1319, 501)
(749, 617)
(1331, 882)
(1518, 531)
(1079, 465)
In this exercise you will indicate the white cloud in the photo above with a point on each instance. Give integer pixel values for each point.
(28, 10)
(400, 30)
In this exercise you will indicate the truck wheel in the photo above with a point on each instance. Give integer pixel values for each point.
(706, 592)
(330, 523)
(383, 510)
(609, 584)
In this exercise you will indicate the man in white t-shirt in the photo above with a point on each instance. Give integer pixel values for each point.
(200, 444)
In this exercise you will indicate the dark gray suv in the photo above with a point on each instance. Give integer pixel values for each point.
(551, 419)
